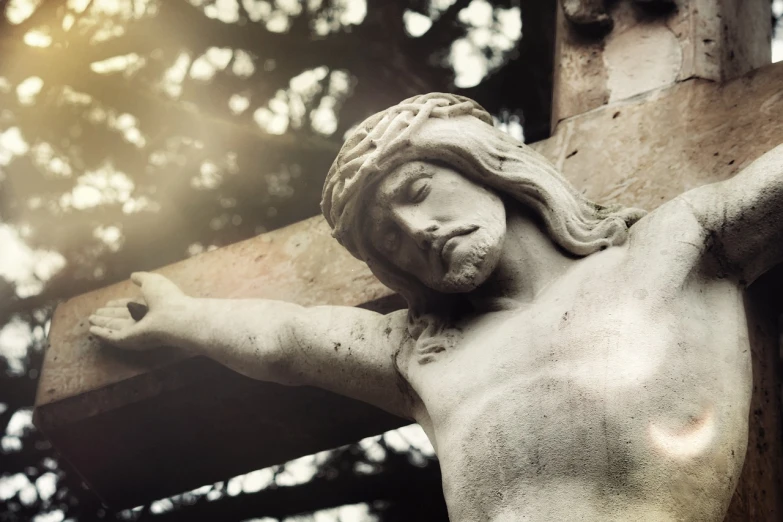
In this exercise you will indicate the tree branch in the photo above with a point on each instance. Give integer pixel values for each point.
(446, 28)
(411, 484)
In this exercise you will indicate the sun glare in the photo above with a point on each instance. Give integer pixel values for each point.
(27, 268)
(18, 11)
(490, 29)
(38, 38)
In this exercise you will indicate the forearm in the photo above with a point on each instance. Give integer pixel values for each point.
(346, 350)
(250, 336)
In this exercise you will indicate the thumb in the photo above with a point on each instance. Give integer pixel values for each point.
(155, 287)
(138, 278)
(143, 281)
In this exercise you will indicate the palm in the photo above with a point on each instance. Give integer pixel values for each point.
(114, 323)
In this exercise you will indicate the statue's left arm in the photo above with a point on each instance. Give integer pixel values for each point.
(743, 217)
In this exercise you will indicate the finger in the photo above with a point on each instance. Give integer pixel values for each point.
(142, 278)
(105, 334)
(121, 303)
(138, 278)
(112, 312)
(111, 323)
(155, 287)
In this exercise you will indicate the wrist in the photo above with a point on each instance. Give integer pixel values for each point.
(182, 323)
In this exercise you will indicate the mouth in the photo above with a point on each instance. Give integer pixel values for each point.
(447, 244)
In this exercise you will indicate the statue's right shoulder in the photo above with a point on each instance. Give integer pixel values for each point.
(353, 352)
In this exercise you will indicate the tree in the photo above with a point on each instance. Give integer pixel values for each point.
(136, 133)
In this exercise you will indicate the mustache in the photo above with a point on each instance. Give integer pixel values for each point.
(440, 241)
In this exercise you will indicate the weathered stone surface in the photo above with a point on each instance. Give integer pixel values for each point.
(648, 50)
(647, 150)
(300, 264)
(116, 416)
(679, 151)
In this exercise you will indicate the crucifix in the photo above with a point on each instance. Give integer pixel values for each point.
(565, 358)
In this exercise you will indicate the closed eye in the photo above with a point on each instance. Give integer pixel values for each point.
(418, 190)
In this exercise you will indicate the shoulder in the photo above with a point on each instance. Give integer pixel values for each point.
(353, 352)
(673, 222)
(670, 242)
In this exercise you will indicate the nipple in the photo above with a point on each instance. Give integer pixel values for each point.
(687, 442)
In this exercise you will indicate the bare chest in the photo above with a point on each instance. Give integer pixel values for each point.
(605, 385)
(596, 337)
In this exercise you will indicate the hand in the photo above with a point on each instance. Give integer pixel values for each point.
(166, 303)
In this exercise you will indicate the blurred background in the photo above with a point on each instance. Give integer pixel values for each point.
(136, 133)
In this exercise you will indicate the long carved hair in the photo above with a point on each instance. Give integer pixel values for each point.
(456, 132)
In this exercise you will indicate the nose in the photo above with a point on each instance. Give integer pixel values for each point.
(420, 230)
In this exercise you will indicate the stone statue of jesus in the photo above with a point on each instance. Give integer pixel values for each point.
(567, 360)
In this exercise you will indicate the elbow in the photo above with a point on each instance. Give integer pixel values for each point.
(280, 355)
(281, 371)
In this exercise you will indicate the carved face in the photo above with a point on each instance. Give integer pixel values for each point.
(431, 222)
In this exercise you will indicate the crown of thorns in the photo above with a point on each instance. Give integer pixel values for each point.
(373, 148)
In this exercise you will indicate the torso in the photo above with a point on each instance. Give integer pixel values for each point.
(621, 393)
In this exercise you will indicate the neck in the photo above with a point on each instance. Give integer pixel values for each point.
(529, 263)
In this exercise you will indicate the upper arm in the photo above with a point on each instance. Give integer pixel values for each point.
(743, 217)
(350, 351)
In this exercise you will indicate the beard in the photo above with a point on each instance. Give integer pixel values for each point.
(470, 265)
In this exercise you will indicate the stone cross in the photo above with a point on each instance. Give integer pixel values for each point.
(649, 101)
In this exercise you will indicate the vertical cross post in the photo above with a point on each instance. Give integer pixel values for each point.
(637, 47)
(609, 53)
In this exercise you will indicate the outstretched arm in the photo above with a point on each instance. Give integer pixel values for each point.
(346, 350)
(743, 217)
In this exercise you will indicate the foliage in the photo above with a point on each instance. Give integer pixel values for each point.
(135, 133)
